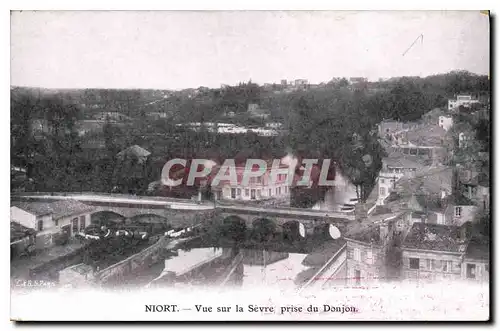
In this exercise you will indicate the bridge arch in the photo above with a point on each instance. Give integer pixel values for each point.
(264, 229)
(233, 227)
(327, 231)
(106, 217)
(293, 230)
(148, 218)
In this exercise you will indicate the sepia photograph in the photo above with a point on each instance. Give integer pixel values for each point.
(250, 165)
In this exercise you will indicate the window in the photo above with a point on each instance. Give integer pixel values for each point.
(458, 211)
(471, 271)
(279, 190)
(74, 224)
(357, 254)
(247, 192)
(39, 225)
(269, 192)
(238, 192)
(82, 223)
(382, 191)
(382, 181)
(414, 263)
(487, 268)
(233, 193)
(286, 189)
(252, 194)
(369, 257)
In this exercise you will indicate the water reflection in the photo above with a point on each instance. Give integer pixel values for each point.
(216, 266)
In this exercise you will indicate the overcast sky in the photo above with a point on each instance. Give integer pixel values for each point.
(190, 49)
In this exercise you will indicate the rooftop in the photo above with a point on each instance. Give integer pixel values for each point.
(135, 151)
(429, 135)
(368, 231)
(58, 209)
(400, 160)
(435, 237)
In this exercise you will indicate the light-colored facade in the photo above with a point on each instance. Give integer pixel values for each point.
(461, 100)
(446, 122)
(257, 188)
(433, 252)
(393, 169)
(431, 266)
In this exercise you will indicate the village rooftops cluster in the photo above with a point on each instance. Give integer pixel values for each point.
(438, 237)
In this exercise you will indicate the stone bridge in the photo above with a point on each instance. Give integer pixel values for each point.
(179, 212)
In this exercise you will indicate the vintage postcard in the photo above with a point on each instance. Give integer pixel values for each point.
(250, 166)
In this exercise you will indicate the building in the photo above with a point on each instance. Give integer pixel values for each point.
(434, 252)
(49, 219)
(387, 128)
(432, 117)
(369, 245)
(428, 141)
(476, 187)
(446, 122)
(255, 111)
(157, 115)
(434, 194)
(111, 116)
(476, 261)
(461, 100)
(394, 167)
(134, 152)
(258, 188)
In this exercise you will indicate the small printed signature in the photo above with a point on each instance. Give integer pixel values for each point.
(33, 283)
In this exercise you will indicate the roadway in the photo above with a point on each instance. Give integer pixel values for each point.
(179, 204)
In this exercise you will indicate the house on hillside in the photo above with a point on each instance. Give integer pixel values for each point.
(461, 100)
(476, 261)
(434, 195)
(426, 140)
(432, 117)
(434, 252)
(255, 111)
(369, 249)
(446, 122)
(48, 220)
(394, 167)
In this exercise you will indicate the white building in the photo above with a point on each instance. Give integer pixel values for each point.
(50, 218)
(393, 169)
(461, 100)
(446, 122)
(258, 188)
